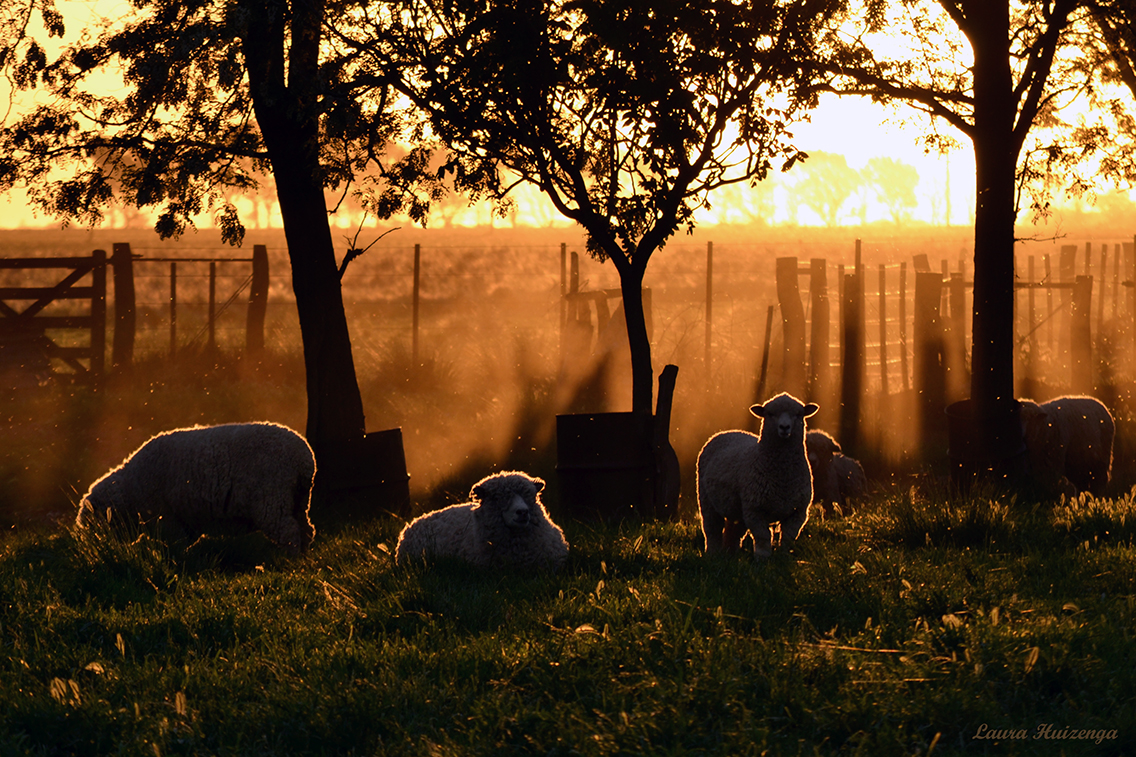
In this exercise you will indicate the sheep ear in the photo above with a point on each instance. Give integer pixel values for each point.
(478, 492)
(758, 410)
(538, 484)
(810, 409)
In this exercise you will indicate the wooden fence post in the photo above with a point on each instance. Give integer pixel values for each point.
(958, 382)
(1066, 273)
(709, 306)
(1081, 335)
(1103, 284)
(852, 369)
(1117, 254)
(173, 308)
(929, 378)
(1048, 303)
(792, 327)
(414, 305)
(819, 347)
(98, 314)
(563, 286)
(122, 350)
(1132, 290)
(903, 367)
(883, 331)
(211, 342)
(258, 301)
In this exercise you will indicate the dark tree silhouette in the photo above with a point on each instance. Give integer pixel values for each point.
(211, 92)
(627, 114)
(995, 98)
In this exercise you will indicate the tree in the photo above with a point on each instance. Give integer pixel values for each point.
(207, 89)
(626, 114)
(825, 184)
(987, 68)
(893, 182)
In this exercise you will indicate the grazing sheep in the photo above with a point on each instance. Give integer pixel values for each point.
(505, 523)
(1069, 440)
(747, 482)
(192, 480)
(837, 478)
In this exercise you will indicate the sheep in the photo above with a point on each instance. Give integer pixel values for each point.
(188, 481)
(1069, 442)
(503, 524)
(837, 478)
(746, 482)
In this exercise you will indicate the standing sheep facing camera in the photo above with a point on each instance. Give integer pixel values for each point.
(504, 524)
(837, 478)
(1069, 441)
(257, 475)
(747, 482)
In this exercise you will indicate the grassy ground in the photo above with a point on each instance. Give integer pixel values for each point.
(913, 627)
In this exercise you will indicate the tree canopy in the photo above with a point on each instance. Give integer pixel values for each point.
(626, 114)
(174, 103)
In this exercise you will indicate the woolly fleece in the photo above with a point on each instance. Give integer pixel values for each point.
(747, 482)
(256, 474)
(504, 523)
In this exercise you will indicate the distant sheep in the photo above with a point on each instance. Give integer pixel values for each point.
(503, 524)
(1069, 441)
(191, 480)
(837, 478)
(747, 482)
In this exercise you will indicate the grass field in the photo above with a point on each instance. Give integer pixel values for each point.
(916, 626)
(923, 624)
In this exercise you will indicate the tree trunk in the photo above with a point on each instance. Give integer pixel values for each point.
(995, 156)
(284, 102)
(335, 407)
(642, 375)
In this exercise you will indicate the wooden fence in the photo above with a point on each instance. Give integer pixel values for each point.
(125, 304)
(29, 337)
(876, 359)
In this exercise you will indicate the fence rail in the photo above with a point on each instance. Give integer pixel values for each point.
(24, 339)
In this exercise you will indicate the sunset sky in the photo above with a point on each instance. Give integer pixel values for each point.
(854, 127)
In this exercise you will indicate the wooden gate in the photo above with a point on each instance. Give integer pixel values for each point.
(25, 341)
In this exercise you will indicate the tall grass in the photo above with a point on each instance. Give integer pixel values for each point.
(904, 629)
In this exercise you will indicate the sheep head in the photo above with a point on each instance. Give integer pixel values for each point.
(783, 417)
(513, 495)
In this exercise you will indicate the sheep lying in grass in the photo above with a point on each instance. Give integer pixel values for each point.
(1069, 440)
(256, 476)
(505, 523)
(837, 478)
(747, 482)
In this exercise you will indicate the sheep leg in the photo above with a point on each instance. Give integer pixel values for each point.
(732, 535)
(792, 526)
(713, 527)
(762, 540)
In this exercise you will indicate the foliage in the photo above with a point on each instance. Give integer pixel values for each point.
(901, 630)
(154, 109)
(626, 115)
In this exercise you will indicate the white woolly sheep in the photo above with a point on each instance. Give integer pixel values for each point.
(837, 478)
(505, 523)
(1069, 441)
(254, 475)
(747, 482)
